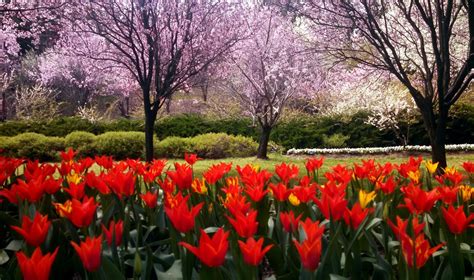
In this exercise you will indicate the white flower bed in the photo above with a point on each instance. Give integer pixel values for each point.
(378, 150)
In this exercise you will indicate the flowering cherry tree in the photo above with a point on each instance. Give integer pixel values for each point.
(268, 68)
(161, 43)
(427, 45)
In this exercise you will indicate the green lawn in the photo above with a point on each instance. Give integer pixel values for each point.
(202, 165)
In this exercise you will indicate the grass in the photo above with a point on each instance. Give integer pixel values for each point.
(201, 166)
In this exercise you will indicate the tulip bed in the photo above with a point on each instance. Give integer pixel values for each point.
(157, 221)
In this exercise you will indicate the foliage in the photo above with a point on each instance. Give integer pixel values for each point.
(120, 144)
(209, 145)
(36, 103)
(33, 146)
(82, 142)
(337, 140)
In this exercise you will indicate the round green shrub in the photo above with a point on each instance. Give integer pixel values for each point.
(36, 146)
(209, 145)
(82, 142)
(221, 145)
(172, 147)
(120, 144)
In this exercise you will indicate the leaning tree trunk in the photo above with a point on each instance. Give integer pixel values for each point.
(263, 142)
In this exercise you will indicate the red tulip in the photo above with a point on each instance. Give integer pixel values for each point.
(313, 164)
(253, 178)
(310, 253)
(89, 252)
(401, 227)
(289, 221)
(182, 176)
(468, 166)
(245, 224)
(356, 216)
(237, 203)
(51, 186)
(97, 182)
(76, 191)
(32, 191)
(210, 252)
(252, 250)
(417, 200)
(191, 158)
(456, 219)
(114, 228)
(120, 183)
(448, 195)
(38, 266)
(279, 191)
(286, 172)
(304, 194)
(79, 213)
(388, 186)
(332, 207)
(312, 230)
(152, 171)
(150, 199)
(418, 250)
(68, 156)
(181, 217)
(34, 231)
(216, 172)
(256, 193)
(106, 162)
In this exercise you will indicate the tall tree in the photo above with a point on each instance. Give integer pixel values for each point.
(427, 45)
(269, 68)
(162, 43)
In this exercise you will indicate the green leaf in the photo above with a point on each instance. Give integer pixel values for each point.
(111, 270)
(174, 273)
(14, 245)
(337, 277)
(4, 258)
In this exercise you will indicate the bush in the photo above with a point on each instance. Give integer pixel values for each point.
(35, 146)
(221, 145)
(121, 144)
(82, 142)
(337, 140)
(173, 147)
(210, 145)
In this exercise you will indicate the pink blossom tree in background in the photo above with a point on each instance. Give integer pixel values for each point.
(161, 43)
(72, 61)
(427, 45)
(268, 68)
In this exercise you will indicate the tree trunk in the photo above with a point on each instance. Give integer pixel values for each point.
(4, 107)
(149, 132)
(263, 142)
(438, 145)
(436, 128)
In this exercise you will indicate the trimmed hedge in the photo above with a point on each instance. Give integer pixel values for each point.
(122, 145)
(210, 145)
(304, 132)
